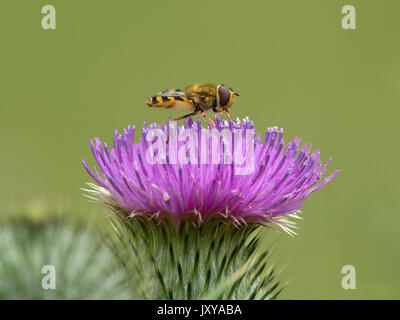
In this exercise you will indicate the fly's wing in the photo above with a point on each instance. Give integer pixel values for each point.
(172, 99)
(202, 89)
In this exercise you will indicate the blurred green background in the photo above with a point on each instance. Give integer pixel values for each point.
(295, 68)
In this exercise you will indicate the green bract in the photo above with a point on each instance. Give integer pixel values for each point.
(212, 261)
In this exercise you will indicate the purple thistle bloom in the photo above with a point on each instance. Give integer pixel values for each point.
(282, 178)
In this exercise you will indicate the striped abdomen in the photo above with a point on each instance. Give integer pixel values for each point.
(173, 98)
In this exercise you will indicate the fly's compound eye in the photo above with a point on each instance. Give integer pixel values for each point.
(224, 95)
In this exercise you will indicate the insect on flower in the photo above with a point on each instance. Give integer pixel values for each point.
(198, 98)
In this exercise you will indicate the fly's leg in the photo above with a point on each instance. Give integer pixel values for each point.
(227, 114)
(186, 116)
(198, 109)
(204, 114)
(183, 117)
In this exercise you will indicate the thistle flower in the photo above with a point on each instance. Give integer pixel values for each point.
(190, 202)
(280, 179)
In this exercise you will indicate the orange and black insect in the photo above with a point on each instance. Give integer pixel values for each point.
(198, 98)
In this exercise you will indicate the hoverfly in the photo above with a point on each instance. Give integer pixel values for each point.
(198, 98)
